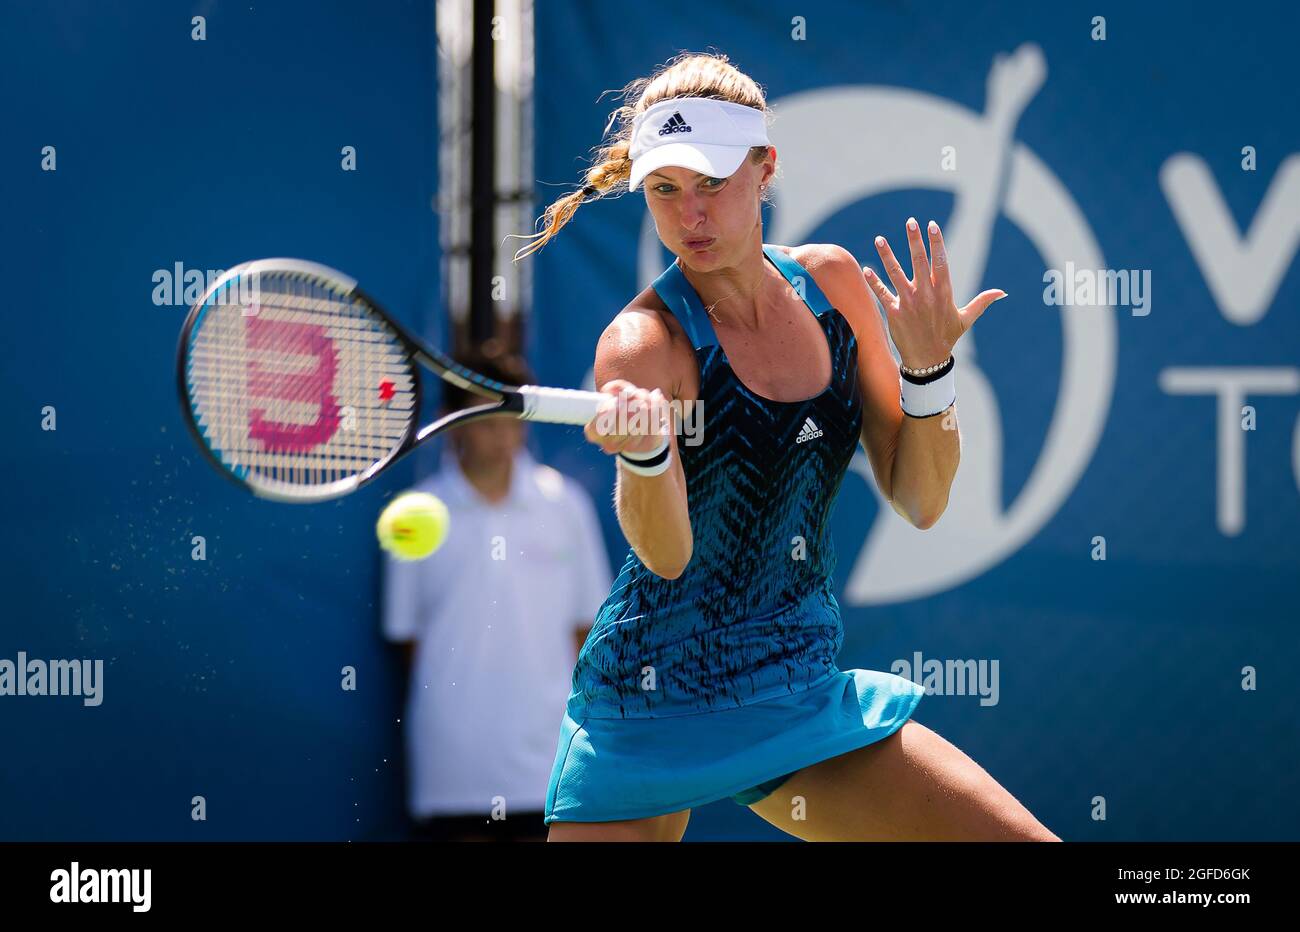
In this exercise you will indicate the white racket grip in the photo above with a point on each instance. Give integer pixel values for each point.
(559, 405)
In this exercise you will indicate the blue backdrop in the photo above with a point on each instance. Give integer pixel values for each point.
(1119, 679)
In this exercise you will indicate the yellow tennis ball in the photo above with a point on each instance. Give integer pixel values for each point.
(413, 525)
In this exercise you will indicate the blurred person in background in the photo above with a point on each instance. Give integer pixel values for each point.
(490, 626)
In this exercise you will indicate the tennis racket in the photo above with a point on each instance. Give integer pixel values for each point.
(298, 385)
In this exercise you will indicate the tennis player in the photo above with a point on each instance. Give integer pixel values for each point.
(710, 671)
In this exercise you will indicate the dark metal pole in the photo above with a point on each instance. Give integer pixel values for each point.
(482, 238)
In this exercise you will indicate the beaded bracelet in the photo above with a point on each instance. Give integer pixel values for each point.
(928, 369)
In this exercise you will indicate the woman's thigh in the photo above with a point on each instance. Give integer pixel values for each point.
(658, 828)
(911, 786)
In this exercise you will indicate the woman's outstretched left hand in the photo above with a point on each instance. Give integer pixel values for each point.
(924, 321)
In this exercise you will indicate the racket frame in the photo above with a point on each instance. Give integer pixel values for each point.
(508, 401)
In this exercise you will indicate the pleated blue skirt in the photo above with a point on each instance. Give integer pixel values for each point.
(611, 769)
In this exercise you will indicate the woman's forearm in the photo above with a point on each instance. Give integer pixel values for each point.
(925, 324)
(925, 462)
(652, 510)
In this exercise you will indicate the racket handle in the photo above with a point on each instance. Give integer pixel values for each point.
(559, 405)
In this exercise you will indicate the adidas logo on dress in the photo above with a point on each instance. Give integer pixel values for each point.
(675, 124)
(809, 431)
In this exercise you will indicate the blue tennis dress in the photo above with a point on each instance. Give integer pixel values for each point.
(721, 683)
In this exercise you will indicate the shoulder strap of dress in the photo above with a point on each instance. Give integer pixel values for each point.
(676, 292)
(799, 279)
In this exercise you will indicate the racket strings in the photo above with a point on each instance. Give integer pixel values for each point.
(301, 387)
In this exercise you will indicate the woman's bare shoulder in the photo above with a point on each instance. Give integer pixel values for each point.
(644, 321)
(837, 273)
(829, 259)
(650, 307)
(644, 331)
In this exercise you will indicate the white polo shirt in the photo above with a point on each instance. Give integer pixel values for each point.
(494, 611)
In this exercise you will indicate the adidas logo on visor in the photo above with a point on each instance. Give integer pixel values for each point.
(675, 124)
(809, 431)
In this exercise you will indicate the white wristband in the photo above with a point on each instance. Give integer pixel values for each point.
(650, 463)
(931, 398)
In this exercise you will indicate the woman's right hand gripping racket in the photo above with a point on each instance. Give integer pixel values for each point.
(301, 388)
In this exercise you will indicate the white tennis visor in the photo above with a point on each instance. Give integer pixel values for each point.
(705, 135)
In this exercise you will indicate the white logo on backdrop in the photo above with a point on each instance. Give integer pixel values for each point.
(832, 157)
